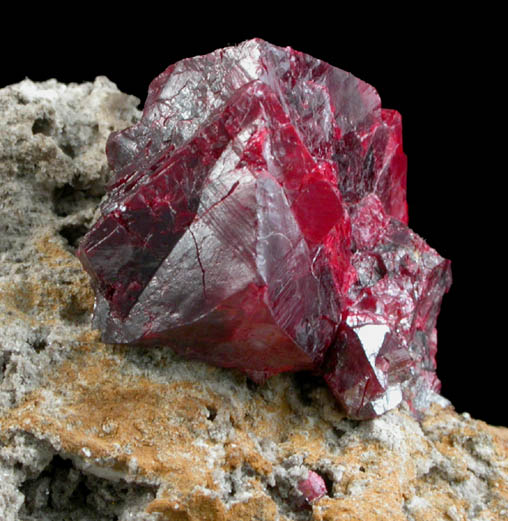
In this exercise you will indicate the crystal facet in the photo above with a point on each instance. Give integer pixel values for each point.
(258, 220)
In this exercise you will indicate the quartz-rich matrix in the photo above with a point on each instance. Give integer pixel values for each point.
(258, 221)
(94, 431)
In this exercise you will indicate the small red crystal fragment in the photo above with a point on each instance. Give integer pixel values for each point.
(258, 221)
(313, 487)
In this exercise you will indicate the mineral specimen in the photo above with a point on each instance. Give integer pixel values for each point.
(258, 221)
(313, 487)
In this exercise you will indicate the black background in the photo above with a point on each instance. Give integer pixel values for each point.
(441, 71)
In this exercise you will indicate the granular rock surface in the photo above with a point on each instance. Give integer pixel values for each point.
(93, 431)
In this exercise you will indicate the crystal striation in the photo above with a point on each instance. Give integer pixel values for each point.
(258, 221)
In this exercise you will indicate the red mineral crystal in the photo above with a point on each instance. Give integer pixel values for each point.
(313, 487)
(258, 221)
(387, 334)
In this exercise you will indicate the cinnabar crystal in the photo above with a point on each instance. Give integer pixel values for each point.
(258, 221)
(313, 487)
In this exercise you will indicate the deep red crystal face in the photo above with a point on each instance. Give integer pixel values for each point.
(258, 220)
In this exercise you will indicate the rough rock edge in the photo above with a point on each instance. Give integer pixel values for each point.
(146, 435)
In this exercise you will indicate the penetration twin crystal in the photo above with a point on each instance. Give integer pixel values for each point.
(258, 221)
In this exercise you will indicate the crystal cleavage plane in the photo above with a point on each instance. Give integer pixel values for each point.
(258, 220)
